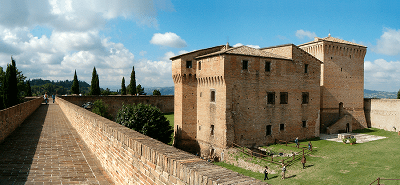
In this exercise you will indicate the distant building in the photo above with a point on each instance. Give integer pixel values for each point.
(251, 97)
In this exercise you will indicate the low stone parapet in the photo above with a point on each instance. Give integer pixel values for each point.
(12, 117)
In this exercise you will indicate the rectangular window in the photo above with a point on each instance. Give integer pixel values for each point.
(212, 96)
(268, 132)
(306, 68)
(199, 65)
(189, 64)
(282, 127)
(245, 64)
(284, 98)
(267, 66)
(304, 97)
(212, 130)
(304, 124)
(270, 98)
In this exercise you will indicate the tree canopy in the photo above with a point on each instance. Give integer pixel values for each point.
(75, 85)
(147, 120)
(156, 92)
(94, 86)
(132, 84)
(123, 88)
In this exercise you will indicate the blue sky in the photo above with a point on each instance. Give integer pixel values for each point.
(51, 38)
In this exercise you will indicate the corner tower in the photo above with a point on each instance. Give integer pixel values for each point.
(342, 83)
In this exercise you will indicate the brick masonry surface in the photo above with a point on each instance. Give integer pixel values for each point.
(164, 103)
(129, 157)
(383, 113)
(45, 149)
(12, 117)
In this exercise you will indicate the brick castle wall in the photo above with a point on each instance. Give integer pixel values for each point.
(164, 103)
(12, 117)
(382, 113)
(132, 158)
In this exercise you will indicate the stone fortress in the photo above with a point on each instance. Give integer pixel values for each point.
(252, 97)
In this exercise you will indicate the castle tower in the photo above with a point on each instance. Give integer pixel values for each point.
(342, 83)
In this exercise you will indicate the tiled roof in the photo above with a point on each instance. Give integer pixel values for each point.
(245, 50)
(332, 39)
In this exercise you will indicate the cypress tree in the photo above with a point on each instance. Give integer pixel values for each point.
(28, 89)
(75, 85)
(94, 86)
(132, 85)
(10, 95)
(123, 88)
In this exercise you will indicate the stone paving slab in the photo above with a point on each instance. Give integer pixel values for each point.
(361, 138)
(46, 149)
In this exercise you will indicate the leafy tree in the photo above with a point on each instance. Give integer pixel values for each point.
(123, 88)
(100, 108)
(94, 86)
(10, 86)
(132, 84)
(75, 85)
(106, 92)
(140, 90)
(147, 120)
(28, 89)
(156, 92)
(398, 94)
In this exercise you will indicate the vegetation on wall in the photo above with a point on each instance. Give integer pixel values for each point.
(12, 86)
(100, 108)
(147, 120)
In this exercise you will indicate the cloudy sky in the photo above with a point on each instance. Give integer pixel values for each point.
(49, 39)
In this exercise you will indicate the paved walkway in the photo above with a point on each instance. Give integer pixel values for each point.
(361, 138)
(45, 149)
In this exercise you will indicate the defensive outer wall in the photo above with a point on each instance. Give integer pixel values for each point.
(12, 117)
(164, 103)
(383, 113)
(132, 158)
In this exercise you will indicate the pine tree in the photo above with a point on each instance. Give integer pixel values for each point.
(123, 88)
(28, 89)
(94, 86)
(132, 85)
(75, 85)
(10, 88)
(140, 90)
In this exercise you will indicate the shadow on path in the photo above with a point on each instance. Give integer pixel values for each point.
(18, 149)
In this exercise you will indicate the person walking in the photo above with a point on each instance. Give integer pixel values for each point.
(297, 142)
(283, 171)
(303, 161)
(309, 145)
(53, 96)
(46, 97)
(266, 173)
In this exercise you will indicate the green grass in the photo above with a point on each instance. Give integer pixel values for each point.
(170, 118)
(338, 163)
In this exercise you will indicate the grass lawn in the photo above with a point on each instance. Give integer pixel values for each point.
(170, 118)
(338, 163)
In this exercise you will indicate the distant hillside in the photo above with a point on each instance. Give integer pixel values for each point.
(163, 90)
(379, 94)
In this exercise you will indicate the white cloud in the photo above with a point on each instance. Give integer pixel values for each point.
(389, 43)
(168, 39)
(252, 46)
(382, 75)
(301, 34)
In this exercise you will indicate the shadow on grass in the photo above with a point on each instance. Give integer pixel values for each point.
(364, 130)
(290, 177)
(309, 165)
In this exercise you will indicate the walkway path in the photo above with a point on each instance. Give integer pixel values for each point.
(45, 149)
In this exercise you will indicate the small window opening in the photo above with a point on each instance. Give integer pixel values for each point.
(270, 98)
(267, 66)
(306, 68)
(284, 97)
(304, 124)
(212, 130)
(268, 131)
(341, 69)
(245, 64)
(282, 127)
(199, 65)
(189, 64)
(212, 96)
(305, 97)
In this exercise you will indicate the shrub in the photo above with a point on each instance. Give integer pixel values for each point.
(353, 140)
(344, 140)
(147, 120)
(100, 108)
